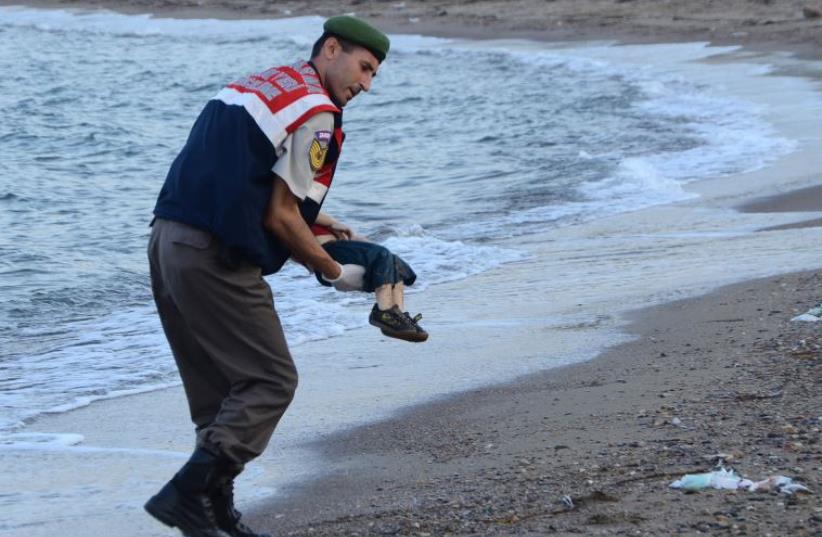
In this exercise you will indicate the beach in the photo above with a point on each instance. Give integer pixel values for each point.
(707, 367)
(721, 379)
(781, 24)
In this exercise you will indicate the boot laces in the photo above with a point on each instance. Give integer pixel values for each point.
(228, 493)
(208, 506)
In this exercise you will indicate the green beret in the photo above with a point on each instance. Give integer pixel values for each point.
(360, 32)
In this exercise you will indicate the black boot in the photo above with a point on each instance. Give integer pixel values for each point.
(222, 497)
(184, 503)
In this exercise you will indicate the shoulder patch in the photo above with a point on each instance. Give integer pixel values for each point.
(319, 149)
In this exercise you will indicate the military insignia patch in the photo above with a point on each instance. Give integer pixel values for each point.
(318, 149)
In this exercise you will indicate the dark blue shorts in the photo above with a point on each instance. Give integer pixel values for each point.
(381, 266)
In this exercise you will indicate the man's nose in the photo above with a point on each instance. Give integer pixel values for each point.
(365, 82)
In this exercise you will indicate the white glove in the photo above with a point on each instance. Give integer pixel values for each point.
(350, 278)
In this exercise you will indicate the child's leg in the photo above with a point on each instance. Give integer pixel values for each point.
(389, 295)
(385, 297)
(386, 274)
(398, 295)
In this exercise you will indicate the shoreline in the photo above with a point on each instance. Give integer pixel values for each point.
(404, 501)
(801, 200)
(724, 378)
(767, 27)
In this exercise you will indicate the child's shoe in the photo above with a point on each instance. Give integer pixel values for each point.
(416, 321)
(394, 323)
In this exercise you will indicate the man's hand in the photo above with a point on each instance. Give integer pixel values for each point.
(341, 231)
(350, 278)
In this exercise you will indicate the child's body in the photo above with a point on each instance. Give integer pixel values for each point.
(386, 275)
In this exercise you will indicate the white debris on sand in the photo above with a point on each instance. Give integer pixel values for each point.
(812, 315)
(729, 480)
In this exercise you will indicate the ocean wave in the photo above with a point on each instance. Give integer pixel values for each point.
(124, 352)
(141, 25)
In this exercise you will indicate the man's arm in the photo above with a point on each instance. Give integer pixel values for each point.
(284, 220)
(325, 219)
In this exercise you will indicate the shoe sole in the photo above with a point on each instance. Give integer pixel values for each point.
(414, 337)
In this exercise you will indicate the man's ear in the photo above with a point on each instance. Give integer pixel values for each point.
(332, 48)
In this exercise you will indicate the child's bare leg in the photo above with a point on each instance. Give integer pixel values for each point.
(398, 295)
(385, 297)
(389, 295)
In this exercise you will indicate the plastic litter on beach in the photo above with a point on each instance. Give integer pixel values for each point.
(719, 479)
(730, 480)
(812, 315)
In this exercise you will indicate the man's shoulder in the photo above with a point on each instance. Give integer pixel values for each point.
(323, 120)
(281, 99)
(288, 82)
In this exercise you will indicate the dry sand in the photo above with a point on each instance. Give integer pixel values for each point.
(742, 381)
(759, 23)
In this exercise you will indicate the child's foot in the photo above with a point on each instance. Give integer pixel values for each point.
(416, 321)
(395, 323)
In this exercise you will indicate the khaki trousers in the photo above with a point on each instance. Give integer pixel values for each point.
(226, 338)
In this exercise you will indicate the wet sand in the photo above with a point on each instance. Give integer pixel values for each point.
(796, 201)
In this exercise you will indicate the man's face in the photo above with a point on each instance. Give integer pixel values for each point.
(348, 73)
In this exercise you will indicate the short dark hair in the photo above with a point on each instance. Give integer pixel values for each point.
(346, 45)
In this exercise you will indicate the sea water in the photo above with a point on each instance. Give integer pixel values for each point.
(453, 148)
(457, 148)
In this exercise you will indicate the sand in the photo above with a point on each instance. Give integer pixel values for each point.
(800, 200)
(722, 379)
(725, 377)
(768, 24)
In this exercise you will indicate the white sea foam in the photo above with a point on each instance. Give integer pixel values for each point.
(72, 443)
(729, 135)
(111, 23)
(310, 312)
(737, 139)
(33, 440)
(125, 352)
(440, 261)
(56, 443)
(636, 179)
(301, 31)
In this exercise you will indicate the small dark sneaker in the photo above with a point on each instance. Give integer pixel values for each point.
(416, 320)
(397, 324)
